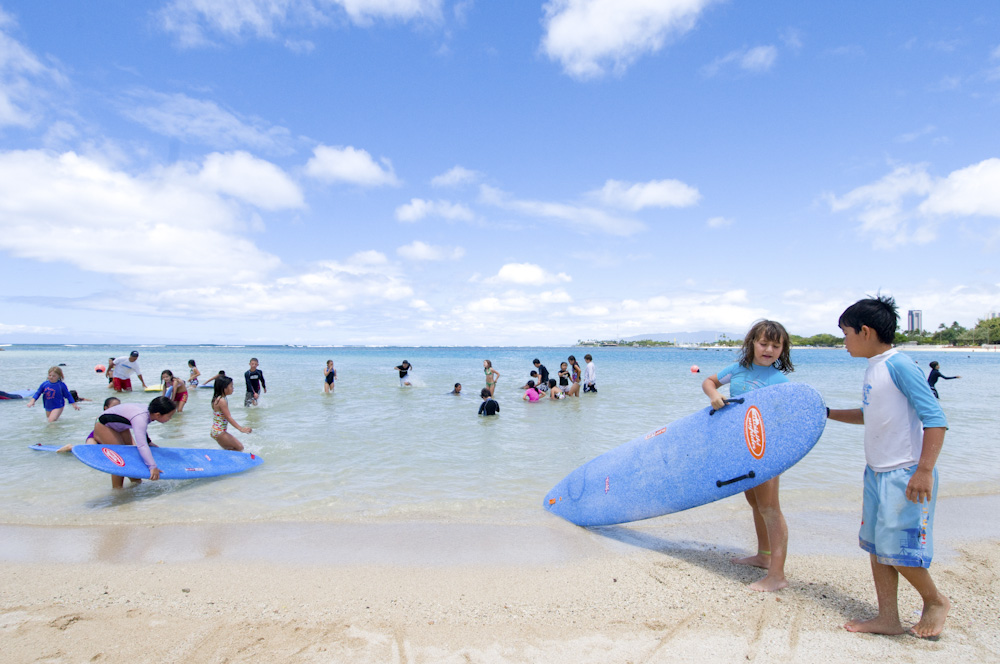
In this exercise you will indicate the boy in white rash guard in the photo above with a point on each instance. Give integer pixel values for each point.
(904, 432)
(126, 424)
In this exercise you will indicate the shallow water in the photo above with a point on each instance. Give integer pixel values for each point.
(375, 452)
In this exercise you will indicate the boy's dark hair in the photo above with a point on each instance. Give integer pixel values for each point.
(161, 406)
(552, 382)
(254, 359)
(485, 392)
(458, 384)
(587, 357)
(536, 361)
(933, 365)
(879, 313)
(107, 402)
(769, 330)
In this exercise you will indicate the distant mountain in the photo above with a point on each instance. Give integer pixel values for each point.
(705, 336)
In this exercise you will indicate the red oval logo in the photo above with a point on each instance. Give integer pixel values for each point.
(753, 431)
(113, 457)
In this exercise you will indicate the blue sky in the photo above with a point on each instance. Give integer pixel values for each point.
(470, 172)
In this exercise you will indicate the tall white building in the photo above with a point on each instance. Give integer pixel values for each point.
(914, 320)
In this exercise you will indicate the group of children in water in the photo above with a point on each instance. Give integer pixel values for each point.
(904, 433)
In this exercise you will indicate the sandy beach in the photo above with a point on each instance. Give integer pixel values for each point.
(653, 592)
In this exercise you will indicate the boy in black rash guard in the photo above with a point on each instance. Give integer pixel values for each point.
(255, 383)
(932, 379)
(489, 405)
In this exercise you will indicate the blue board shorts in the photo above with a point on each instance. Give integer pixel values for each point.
(896, 530)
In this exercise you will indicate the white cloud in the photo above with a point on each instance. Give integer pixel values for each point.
(907, 205)
(728, 310)
(754, 60)
(581, 218)
(527, 274)
(455, 177)
(656, 193)
(256, 181)
(421, 251)
(587, 36)
(23, 79)
(162, 227)
(970, 191)
(204, 122)
(348, 164)
(193, 21)
(719, 222)
(514, 302)
(418, 209)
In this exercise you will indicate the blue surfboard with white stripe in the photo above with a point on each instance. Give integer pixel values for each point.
(698, 459)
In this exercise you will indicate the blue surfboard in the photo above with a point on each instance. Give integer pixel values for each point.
(695, 460)
(175, 463)
(38, 447)
(24, 394)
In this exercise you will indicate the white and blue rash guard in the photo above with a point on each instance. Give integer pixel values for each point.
(897, 405)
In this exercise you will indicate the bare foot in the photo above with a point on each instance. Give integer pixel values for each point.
(932, 619)
(758, 560)
(769, 584)
(875, 626)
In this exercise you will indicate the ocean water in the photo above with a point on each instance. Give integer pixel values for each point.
(374, 452)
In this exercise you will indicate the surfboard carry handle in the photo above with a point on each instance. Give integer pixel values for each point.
(748, 476)
(713, 411)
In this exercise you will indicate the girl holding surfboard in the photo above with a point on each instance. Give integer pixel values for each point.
(764, 360)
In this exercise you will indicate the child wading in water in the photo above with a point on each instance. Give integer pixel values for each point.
(221, 417)
(764, 360)
(54, 395)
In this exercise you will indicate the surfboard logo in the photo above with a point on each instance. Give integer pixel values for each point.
(113, 457)
(656, 433)
(753, 431)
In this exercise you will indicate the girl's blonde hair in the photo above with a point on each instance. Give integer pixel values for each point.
(57, 371)
(769, 330)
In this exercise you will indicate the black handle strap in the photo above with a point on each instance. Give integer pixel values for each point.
(748, 476)
(740, 400)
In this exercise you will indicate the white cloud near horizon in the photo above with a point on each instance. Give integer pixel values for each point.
(178, 241)
(421, 251)
(588, 36)
(194, 22)
(655, 193)
(418, 209)
(581, 218)
(906, 205)
(351, 165)
(202, 122)
(755, 60)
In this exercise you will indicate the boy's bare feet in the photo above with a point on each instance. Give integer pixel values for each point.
(757, 560)
(877, 625)
(769, 585)
(932, 619)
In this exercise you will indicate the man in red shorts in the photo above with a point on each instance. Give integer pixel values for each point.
(124, 368)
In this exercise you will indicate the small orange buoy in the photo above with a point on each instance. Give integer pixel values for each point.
(99, 368)
(694, 368)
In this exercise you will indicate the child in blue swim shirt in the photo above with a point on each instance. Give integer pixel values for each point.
(764, 360)
(54, 395)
